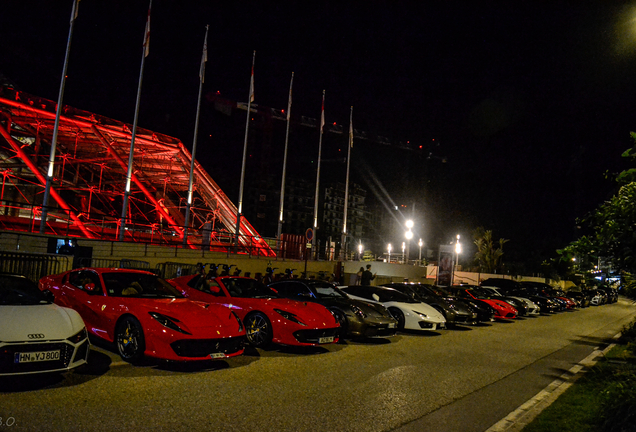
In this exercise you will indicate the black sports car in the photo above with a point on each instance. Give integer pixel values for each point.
(485, 313)
(358, 319)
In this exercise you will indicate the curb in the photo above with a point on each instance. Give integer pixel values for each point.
(524, 414)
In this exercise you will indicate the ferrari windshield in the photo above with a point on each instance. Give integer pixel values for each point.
(326, 290)
(392, 295)
(247, 288)
(477, 293)
(145, 285)
(20, 291)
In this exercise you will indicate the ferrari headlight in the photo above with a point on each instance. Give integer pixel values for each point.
(167, 321)
(356, 310)
(422, 314)
(237, 320)
(79, 336)
(289, 316)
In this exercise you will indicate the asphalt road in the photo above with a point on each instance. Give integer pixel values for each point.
(452, 380)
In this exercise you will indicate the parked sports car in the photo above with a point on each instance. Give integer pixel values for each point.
(357, 318)
(484, 311)
(35, 334)
(146, 316)
(530, 307)
(502, 309)
(410, 313)
(267, 317)
(454, 311)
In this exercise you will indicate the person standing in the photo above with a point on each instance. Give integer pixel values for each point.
(359, 276)
(367, 276)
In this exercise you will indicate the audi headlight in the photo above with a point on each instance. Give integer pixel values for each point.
(79, 336)
(167, 321)
(289, 316)
(356, 310)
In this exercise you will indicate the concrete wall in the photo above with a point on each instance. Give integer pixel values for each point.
(11, 241)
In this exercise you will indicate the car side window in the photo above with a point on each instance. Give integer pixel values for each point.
(214, 288)
(81, 279)
(284, 289)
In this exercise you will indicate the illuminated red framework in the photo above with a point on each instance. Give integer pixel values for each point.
(89, 180)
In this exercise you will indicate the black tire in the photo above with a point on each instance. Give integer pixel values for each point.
(342, 320)
(399, 317)
(130, 340)
(258, 330)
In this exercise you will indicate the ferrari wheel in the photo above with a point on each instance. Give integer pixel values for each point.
(258, 330)
(399, 317)
(342, 320)
(130, 341)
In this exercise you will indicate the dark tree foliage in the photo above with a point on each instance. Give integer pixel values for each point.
(612, 231)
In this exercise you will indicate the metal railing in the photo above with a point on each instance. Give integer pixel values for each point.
(33, 266)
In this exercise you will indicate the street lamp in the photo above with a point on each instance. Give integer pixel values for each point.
(389, 249)
(458, 250)
(360, 251)
(409, 235)
(420, 244)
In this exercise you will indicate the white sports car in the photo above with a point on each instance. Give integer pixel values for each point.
(36, 335)
(409, 313)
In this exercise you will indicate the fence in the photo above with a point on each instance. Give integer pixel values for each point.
(33, 266)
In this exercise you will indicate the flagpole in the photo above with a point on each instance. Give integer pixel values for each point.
(204, 58)
(322, 125)
(282, 184)
(56, 127)
(346, 196)
(247, 127)
(145, 51)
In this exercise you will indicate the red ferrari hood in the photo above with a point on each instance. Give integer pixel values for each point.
(311, 314)
(193, 316)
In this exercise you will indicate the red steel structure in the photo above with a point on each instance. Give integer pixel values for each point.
(89, 181)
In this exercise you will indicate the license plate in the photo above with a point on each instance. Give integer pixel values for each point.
(37, 356)
(324, 340)
(392, 325)
(217, 355)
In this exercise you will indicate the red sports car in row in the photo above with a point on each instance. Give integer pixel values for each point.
(145, 315)
(502, 309)
(267, 317)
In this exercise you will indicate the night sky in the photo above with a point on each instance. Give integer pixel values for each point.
(523, 105)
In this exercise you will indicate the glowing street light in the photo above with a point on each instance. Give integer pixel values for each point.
(420, 244)
(458, 250)
(409, 235)
(389, 249)
(360, 251)
(403, 248)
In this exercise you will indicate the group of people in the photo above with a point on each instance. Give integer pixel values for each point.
(364, 277)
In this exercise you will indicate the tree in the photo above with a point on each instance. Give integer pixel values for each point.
(612, 227)
(487, 257)
(612, 231)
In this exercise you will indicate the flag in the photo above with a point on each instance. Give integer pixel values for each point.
(322, 112)
(252, 80)
(204, 56)
(147, 34)
(351, 128)
(75, 10)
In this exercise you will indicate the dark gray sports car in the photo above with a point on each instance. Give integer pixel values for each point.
(358, 319)
(453, 310)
